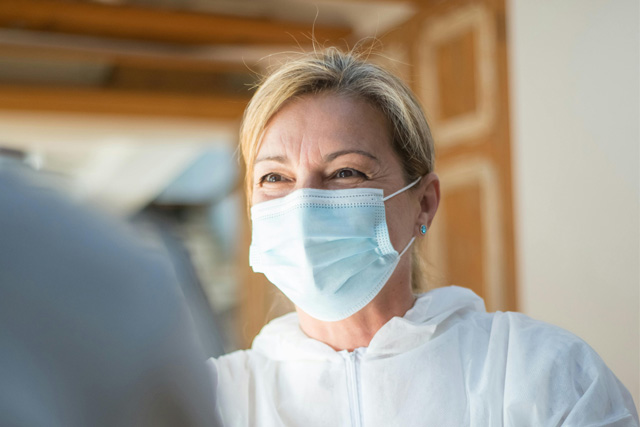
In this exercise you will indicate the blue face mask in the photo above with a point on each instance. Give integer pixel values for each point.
(328, 251)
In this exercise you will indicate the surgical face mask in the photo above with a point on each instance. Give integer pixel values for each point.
(328, 251)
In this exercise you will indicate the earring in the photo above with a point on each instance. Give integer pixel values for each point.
(423, 229)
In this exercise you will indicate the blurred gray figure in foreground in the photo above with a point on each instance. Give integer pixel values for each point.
(93, 328)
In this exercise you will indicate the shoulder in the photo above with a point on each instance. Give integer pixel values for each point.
(549, 373)
(532, 346)
(515, 341)
(513, 331)
(234, 372)
(521, 331)
(275, 337)
(536, 372)
(540, 345)
(235, 366)
(239, 387)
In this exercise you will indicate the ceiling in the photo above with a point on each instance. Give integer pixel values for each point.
(180, 46)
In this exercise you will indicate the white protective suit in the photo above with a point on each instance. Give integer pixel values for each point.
(447, 362)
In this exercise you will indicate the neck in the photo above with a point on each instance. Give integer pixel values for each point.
(357, 330)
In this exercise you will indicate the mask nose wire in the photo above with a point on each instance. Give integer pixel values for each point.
(384, 199)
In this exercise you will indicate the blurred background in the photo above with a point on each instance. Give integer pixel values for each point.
(134, 106)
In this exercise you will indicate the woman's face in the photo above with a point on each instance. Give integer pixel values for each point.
(330, 141)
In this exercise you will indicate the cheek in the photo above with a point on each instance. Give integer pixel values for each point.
(258, 197)
(400, 222)
(253, 197)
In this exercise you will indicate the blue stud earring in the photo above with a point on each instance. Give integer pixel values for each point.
(423, 229)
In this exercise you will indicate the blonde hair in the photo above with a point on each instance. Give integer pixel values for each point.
(343, 73)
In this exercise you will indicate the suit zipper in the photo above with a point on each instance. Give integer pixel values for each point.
(353, 386)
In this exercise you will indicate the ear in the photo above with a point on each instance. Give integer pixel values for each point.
(428, 192)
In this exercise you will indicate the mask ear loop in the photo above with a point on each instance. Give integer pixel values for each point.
(384, 199)
(407, 247)
(394, 194)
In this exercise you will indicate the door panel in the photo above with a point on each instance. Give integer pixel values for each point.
(457, 56)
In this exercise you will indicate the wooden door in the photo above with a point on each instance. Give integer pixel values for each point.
(453, 55)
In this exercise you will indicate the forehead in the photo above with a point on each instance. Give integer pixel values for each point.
(319, 124)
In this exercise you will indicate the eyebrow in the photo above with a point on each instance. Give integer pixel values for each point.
(331, 157)
(279, 159)
(328, 158)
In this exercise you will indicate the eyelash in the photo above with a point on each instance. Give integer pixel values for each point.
(264, 178)
(357, 174)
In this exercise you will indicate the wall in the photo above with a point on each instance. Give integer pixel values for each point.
(574, 68)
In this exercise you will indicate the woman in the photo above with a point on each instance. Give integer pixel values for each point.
(340, 180)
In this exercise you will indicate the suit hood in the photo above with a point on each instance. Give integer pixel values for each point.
(282, 339)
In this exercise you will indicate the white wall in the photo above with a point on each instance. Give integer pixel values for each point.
(574, 69)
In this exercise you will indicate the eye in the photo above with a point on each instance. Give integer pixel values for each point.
(271, 178)
(349, 173)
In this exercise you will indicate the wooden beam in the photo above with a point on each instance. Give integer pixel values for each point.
(388, 2)
(121, 59)
(156, 24)
(102, 101)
